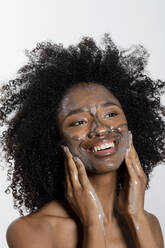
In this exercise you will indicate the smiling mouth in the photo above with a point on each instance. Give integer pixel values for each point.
(104, 148)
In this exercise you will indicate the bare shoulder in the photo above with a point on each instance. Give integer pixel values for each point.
(21, 234)
(49, 227)
(156, 228)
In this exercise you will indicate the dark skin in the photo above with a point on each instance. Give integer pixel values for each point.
(89, 114)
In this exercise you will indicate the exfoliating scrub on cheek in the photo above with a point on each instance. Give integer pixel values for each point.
(74, 135)
(81, 136)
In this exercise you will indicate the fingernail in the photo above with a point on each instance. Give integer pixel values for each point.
(64, 148)
(130, 137)
(75, 158)
(130, 133)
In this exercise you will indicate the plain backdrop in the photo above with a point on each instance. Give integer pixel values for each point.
(24, 23)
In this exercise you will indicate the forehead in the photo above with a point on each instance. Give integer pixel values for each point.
(86, 94)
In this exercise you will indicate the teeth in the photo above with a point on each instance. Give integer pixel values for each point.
(95, 149)
(103, 146)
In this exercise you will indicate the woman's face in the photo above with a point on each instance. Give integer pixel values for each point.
(94, 127)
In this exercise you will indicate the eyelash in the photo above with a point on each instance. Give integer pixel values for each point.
(112, 113)
(75, 123)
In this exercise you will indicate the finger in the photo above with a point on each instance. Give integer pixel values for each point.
(72, 170)
(68, 186)
(68, 180)
(136, 162)
(83, 178)
(130, 167)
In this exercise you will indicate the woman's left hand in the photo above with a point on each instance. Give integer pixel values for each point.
(131, 196)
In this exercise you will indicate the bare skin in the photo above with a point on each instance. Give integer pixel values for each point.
(75, 222)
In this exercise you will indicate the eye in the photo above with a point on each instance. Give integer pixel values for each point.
(111, 114)
(78, 123)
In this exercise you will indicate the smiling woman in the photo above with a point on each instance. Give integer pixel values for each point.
(85, 129)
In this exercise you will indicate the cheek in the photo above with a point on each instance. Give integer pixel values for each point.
(78, 134)
(73, 142)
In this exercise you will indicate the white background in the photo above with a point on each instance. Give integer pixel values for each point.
(24, 23)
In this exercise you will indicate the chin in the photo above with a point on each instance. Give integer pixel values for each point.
(103, 167)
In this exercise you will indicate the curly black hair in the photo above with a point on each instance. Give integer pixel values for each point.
(30, 103)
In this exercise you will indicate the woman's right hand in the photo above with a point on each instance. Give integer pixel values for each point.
(79, 191)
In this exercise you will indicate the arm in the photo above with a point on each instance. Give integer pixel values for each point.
(145, 227)
(84, 201)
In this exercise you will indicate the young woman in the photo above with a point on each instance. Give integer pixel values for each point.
(85, 129)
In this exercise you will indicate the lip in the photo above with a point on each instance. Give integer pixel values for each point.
(106, 152)
(103, 141)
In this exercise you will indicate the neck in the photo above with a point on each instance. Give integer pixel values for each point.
(105, 188)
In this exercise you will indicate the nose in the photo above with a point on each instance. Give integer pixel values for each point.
(97, 129)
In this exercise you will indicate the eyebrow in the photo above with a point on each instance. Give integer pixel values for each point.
(81, 110)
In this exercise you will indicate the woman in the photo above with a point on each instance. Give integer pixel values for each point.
(92, 113)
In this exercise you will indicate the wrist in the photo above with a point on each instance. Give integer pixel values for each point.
(92, 225)
(137, 221)
(136, 216)
(93, 231)
(93, 221)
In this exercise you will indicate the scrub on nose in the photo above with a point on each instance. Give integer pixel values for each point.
(117, 129)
